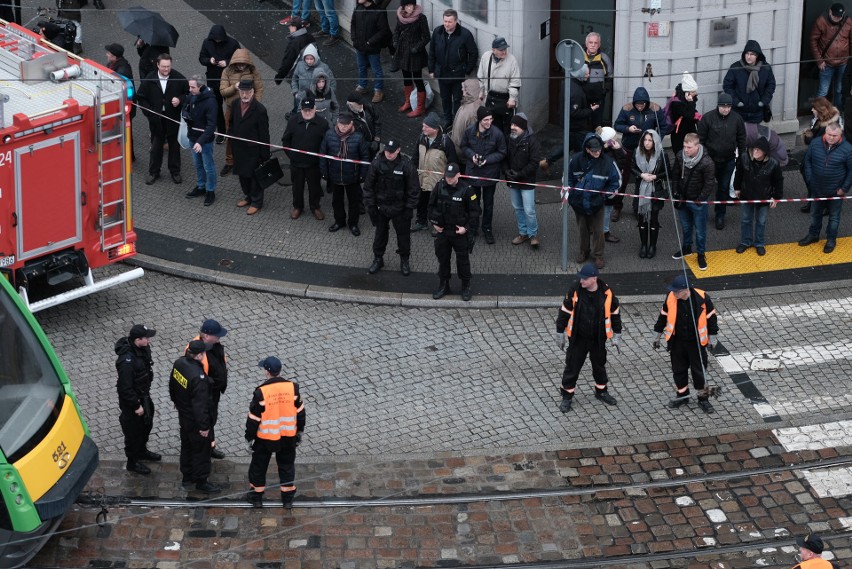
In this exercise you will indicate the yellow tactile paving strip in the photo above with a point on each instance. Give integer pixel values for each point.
(778, 258)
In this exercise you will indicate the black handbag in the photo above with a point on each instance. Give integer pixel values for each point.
(268, 173)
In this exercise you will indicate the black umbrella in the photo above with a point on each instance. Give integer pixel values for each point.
(148, 25)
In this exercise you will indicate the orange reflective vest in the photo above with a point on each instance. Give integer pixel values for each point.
(670, 312)
(607, 314)
(278, 418)
(817, 563)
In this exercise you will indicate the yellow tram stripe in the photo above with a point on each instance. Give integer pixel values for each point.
(779, 257)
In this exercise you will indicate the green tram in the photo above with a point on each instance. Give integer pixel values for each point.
(46, 453)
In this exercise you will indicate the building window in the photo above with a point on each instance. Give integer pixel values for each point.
(476, 8)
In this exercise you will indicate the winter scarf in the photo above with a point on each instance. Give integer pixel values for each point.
(344, 150)
(418, 9)
(692, 162)
(647, 166)
(753, 76)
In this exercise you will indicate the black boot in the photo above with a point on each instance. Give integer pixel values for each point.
(404, 267)
(255, 499)
(378, 263)
(643, 239)
(99, 4)
(652, 242)
(565, 405)
(137, 467)
(443, 290)
(287, 499)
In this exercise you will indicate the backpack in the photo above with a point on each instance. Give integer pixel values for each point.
(667, 113)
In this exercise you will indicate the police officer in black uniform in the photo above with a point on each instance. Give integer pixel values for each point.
(135, 369)
(589, 316)
(277, 405)
(689, 325)
(454, 213)
(189, 389)
(391, 192)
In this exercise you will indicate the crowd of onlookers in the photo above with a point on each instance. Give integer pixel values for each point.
(728, 153)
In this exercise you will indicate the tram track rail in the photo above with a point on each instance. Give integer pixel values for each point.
(468, 497)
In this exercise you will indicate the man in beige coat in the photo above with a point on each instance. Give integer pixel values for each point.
(241, 67)
(466, 115)
(500, 83)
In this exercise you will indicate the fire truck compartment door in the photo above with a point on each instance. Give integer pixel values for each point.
(47, 188)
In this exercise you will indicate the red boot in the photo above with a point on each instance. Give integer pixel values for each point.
(407, 105)
(421, 105)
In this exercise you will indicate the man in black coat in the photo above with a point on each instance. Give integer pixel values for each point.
(298, 40)
(249, 121)
(391, 192)
(370, 33)
(344, 176)
(163, 92)
(189, 390)
(135, 373)
(215, 55)
(305, 131)
(453, 55)
(484, 146)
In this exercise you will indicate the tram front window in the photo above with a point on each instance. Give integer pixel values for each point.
(30, 391)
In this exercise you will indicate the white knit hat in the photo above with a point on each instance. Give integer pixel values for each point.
(607, 133)
(687, 83)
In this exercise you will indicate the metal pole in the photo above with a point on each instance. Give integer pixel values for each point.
(565, 158)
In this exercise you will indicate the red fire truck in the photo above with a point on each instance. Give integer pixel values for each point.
(64, 169)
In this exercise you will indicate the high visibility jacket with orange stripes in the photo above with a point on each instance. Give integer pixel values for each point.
(608, 310)
(276, 411)
(816, 563)
(704, 316)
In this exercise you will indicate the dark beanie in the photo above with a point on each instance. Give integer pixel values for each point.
(520, 121)
(763, 144)
(432, 120)
(481, 113)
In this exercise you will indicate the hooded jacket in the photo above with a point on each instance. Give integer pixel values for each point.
(683, 116)
(410, 40)
(722, 136)
(303, 74)
(777, 148)
(231, 77)
(296, 43)
(750, 105)
(824, 29)
(466, 115)
(200, 113)
(661, 170)
(524, 154)
(135, 374)
(828, 168)
(369, 29)
(651, 117)
(491, 145)
(585, 172)
(220, 46)
(452, 56)
(325, 100)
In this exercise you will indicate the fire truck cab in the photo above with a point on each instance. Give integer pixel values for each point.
(64, 168)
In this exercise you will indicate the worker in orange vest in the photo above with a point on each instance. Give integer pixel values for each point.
(810, 550)
(275, 422)
(589, 316)
(688, 323)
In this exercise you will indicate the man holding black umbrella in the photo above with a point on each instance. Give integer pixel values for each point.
(161, 96)
(154, 36)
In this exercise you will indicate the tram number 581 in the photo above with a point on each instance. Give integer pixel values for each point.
(61, 456)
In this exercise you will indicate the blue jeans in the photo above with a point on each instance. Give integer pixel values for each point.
(724, 171)
(375, 62)
(205, 168)
(833, 207)
(524, 203)
(753, 223)
(328, 17)
(826, 76)
(693, 216)
(607, 214)
(302, 8)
